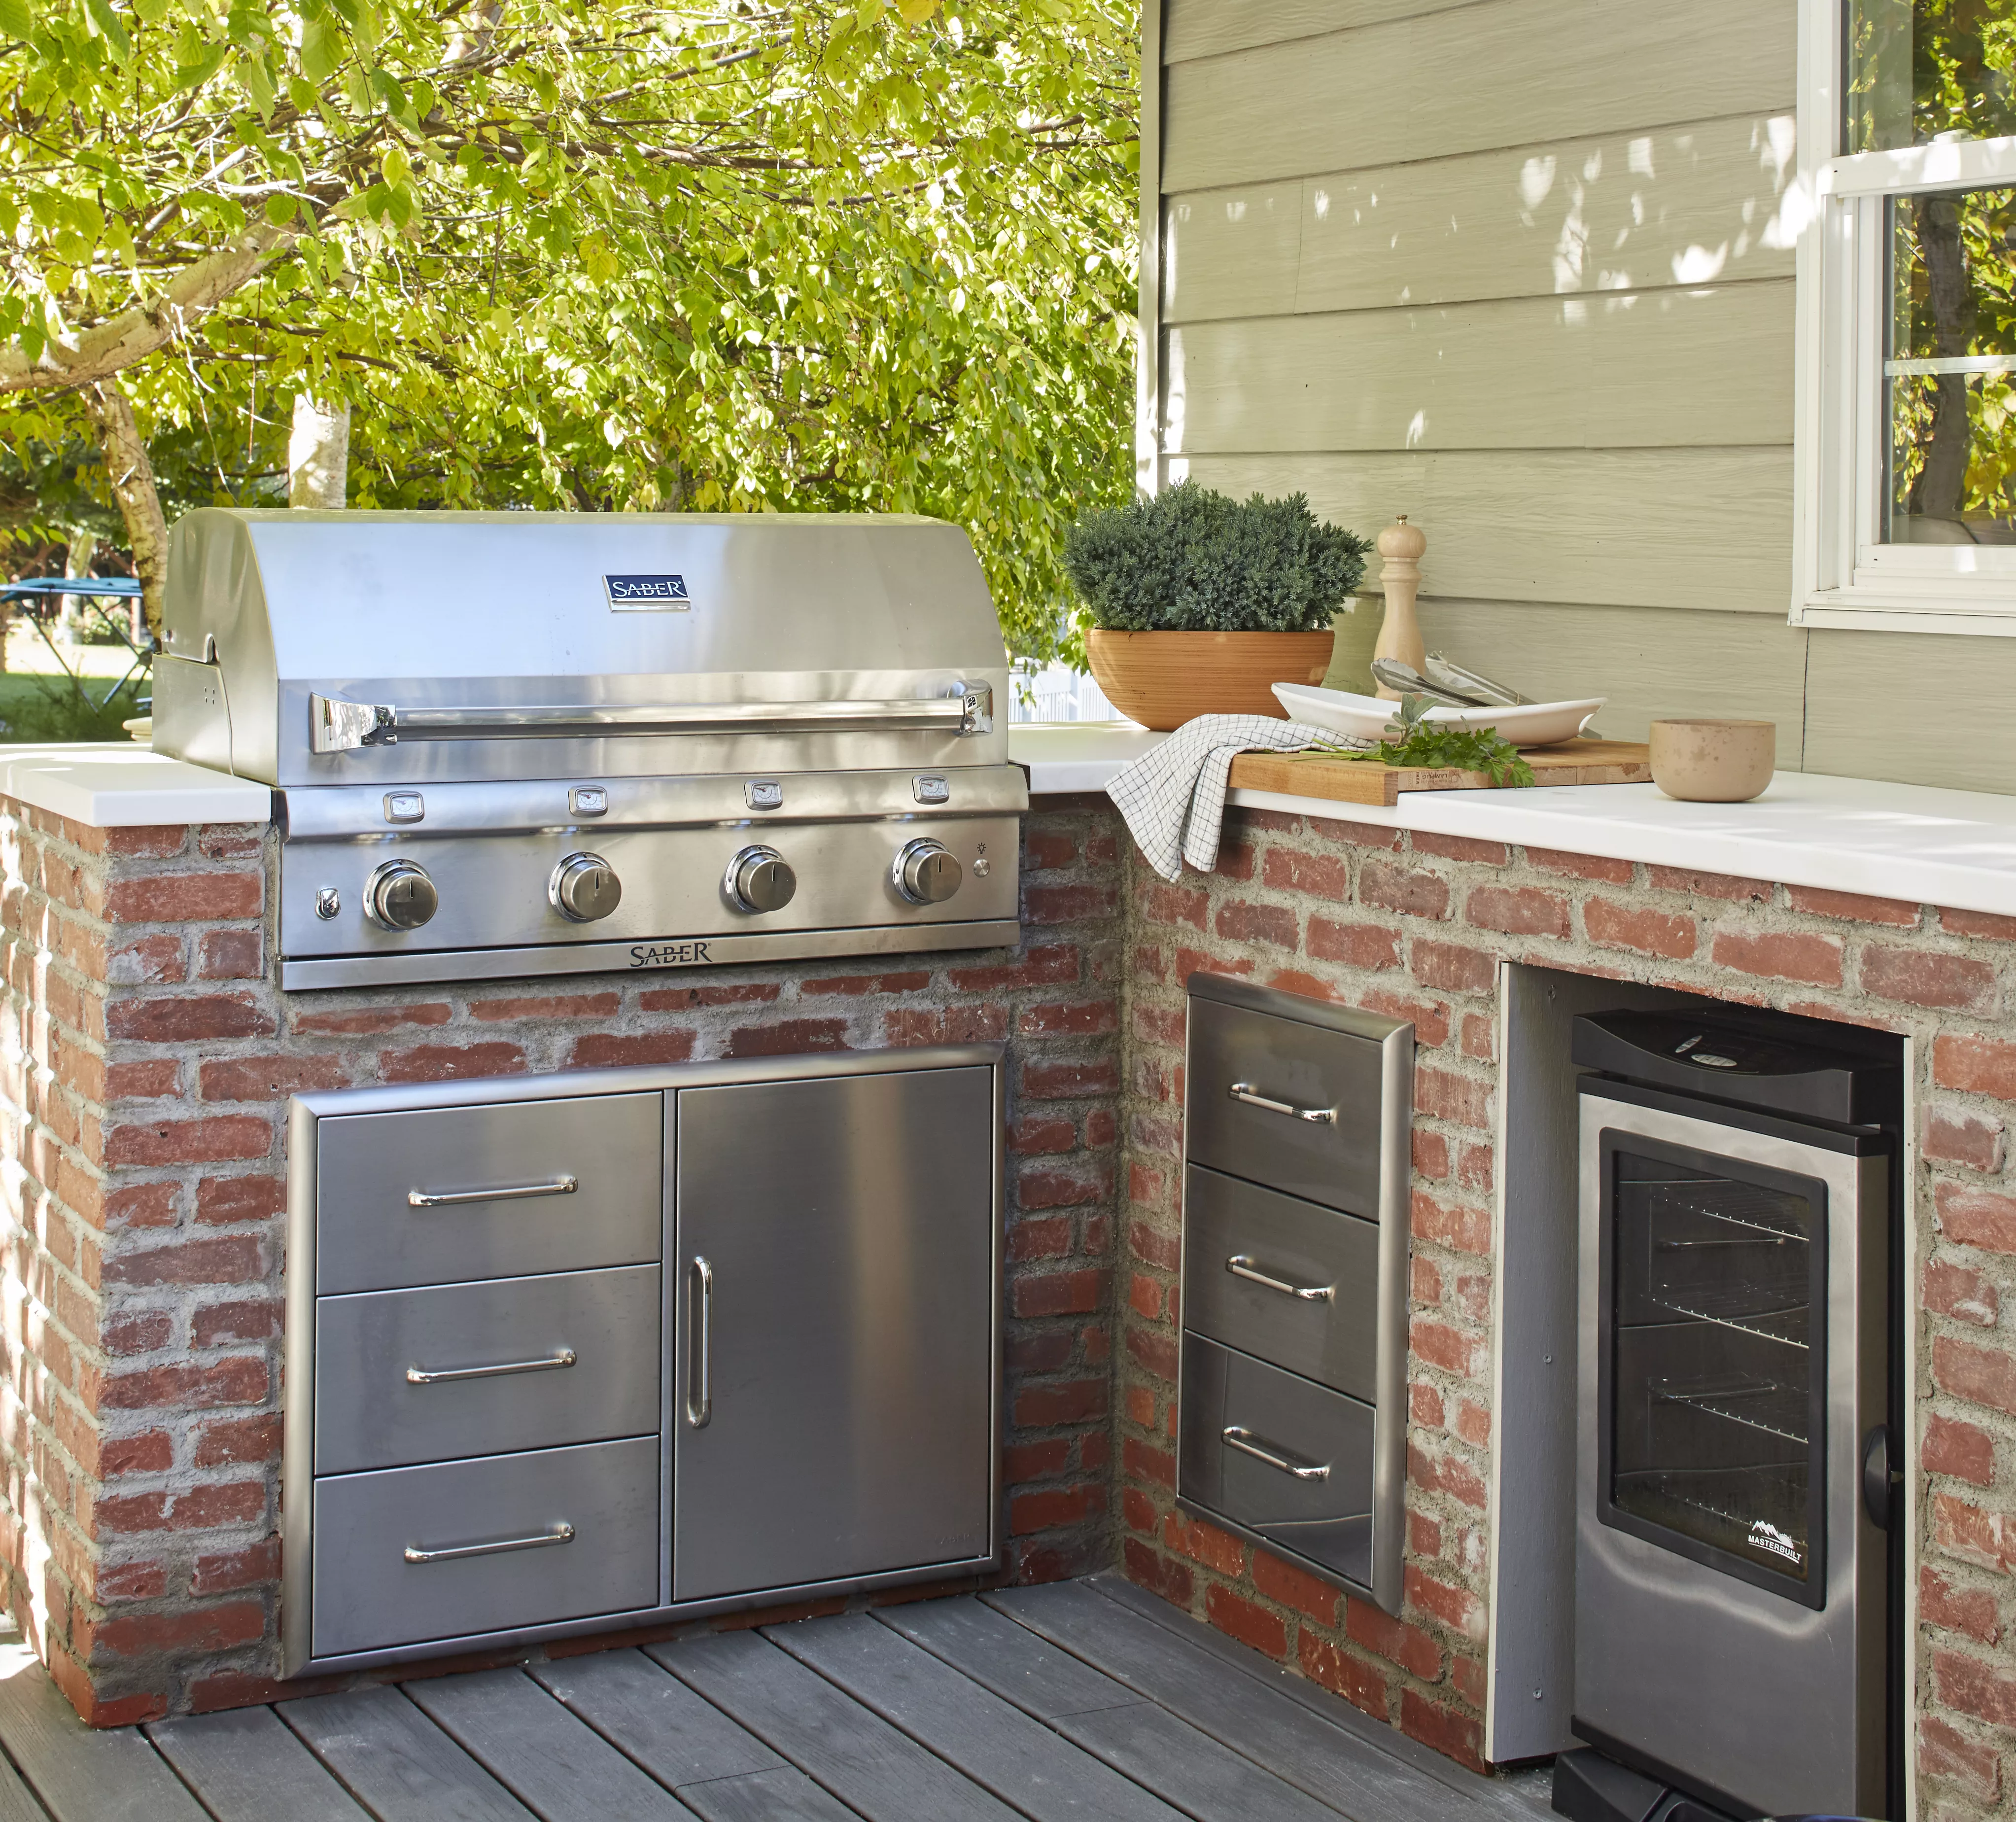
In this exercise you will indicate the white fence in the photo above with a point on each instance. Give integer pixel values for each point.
(1055, 693)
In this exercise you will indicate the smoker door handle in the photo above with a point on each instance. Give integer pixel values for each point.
(1237, 1436)
(335, 726)
(699, 1365)
(1249, 1092)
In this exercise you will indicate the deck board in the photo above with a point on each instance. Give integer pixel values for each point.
(245, 1766)
(546, 1756)
(1089, 1701)
(679, 1737)
(81, 1773)
(1315, 1756)
(1018, 1759)
(399, 1765)
(1037, 1677)
(1204, 1779)
(783, 1795)
(871, 1767)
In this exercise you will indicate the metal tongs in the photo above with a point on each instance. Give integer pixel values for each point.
(1450, 686)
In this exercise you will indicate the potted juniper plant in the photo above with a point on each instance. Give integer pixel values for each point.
(1199, 603)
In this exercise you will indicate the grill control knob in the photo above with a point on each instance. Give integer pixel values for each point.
(400, 896)
(925, 873)
(584, 887)
(758, 880)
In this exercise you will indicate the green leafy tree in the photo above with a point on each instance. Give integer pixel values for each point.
(705, 257)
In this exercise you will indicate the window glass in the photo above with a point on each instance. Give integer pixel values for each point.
(1923, 69)
(1714, 1403)
(1950, 369)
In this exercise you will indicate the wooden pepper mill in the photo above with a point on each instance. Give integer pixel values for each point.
(1403, 545)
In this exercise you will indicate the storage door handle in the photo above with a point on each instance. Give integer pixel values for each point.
(561, 1533)
(424, 1376)
(700, 1366)
(1237, 1436)
(1250, 1093)
(564, 1185)
(1240, 1266)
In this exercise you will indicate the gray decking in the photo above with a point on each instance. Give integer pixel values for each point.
(1085, 1701)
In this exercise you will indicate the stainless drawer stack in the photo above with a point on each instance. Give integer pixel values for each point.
(508, 1419)
(1295, 1299)
(487, 1380)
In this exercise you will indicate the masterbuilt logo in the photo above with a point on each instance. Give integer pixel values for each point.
(661, 594)
(1765, 1535)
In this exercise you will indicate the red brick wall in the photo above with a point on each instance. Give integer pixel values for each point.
(148, 1057)
(1414, 926)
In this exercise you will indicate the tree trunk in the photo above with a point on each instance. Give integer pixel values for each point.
(318, 455)
(76, 562)
(1940, 490)
(132, 478)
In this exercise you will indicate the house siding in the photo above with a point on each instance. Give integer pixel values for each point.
(1522, 269)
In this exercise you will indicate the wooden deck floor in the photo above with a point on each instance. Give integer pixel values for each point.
(1089, 1701)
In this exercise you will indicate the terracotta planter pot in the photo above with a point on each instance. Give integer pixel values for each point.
(1163, 679)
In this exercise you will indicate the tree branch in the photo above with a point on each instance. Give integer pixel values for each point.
(97, 353)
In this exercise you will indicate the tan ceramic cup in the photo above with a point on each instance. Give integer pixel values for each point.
(1713, 761)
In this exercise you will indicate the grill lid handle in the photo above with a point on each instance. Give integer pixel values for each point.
(337, 727)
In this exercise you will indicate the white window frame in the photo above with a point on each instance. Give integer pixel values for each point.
(1843, 577)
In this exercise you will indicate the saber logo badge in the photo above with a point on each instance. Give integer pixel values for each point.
(646, 594)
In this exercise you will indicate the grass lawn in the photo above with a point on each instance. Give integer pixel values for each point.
(38, 704)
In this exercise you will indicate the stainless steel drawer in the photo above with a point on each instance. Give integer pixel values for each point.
(504, 1363)
(1289, 1460)
(407, 1555)
(1290, 1281)
(1292, 1103)
(446, 1194)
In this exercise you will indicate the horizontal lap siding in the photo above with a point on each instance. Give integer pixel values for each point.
(1501, 73)
(1633, 540)
(1520, 269)
(1625, 370)
(1693, 204)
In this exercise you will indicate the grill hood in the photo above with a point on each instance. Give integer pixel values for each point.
(348, 648)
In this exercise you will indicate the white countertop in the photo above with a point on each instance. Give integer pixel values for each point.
(1908, 841)
(116, 784)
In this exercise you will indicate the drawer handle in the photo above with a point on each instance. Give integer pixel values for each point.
(1240, 1266)
(564, 1185)
(1250, 1093)
(699, 1368)
(1237, 1436)
(560, 1533)
(424, 1376)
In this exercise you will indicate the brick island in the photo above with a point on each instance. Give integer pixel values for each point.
(149, 1058)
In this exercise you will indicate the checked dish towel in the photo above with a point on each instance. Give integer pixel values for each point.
(1173, 798)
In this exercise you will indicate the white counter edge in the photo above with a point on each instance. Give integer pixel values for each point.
(118, 785)
(1917, 843)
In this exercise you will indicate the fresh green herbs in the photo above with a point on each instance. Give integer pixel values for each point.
(1411, 740)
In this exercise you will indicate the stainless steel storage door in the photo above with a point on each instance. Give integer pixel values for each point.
(1290, 1461)
(409, 1554)
(836, 1255)
(1287, 1280)
(1295, 1105)
(444, 1194)
(501, 1364)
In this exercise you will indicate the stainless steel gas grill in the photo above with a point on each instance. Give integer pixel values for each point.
(523, 743)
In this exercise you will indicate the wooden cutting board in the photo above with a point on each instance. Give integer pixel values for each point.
(1365, 781)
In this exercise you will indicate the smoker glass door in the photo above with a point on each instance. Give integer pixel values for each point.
(1713, 1375)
